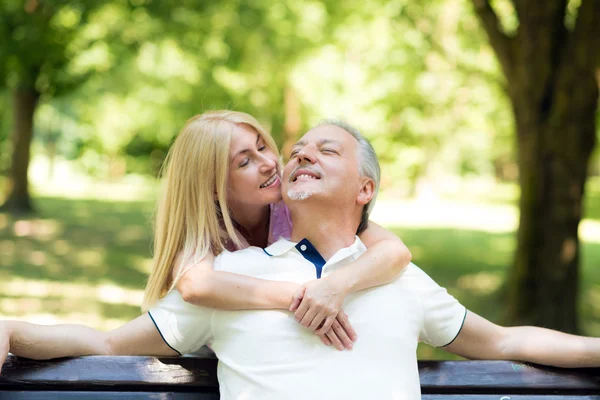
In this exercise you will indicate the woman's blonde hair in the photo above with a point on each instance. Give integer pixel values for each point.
(190, 219)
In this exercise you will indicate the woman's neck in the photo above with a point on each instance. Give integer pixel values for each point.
(253, 223)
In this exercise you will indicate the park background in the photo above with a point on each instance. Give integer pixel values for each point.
(472, 106)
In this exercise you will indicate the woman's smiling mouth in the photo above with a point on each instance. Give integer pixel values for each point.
(270, 181)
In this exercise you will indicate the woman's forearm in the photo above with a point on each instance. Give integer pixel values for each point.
(379, 265)
(228, 291)
(41, 342)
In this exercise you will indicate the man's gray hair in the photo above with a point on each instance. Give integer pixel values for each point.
(368, 165)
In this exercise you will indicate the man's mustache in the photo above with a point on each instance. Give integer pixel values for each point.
(304, 166)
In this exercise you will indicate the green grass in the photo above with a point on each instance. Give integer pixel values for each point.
(81, 260)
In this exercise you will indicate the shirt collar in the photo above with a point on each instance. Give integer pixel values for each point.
(283, 246)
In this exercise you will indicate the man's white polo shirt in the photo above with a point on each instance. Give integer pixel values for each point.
(266, 354)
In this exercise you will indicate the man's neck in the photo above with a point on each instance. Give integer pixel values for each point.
(328, 230)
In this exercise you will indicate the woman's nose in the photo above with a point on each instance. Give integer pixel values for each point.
(267, 164)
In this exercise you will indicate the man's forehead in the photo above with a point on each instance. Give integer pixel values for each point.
(325, 133)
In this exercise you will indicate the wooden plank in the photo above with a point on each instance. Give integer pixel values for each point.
(504, 377)
(43, 395)
(130, 373)
(181, 374)
(511, 397)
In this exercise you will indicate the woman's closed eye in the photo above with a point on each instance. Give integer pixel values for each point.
(328, 150)
(244, 162)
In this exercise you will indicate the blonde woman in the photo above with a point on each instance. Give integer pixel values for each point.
(222, 191)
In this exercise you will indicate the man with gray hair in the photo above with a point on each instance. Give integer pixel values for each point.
(327, 185)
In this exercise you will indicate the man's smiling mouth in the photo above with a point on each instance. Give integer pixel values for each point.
(304, 173)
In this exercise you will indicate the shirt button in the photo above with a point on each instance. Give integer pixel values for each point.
(303, 247)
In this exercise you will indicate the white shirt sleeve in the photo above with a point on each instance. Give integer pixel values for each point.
(184, 327)
(443, 315)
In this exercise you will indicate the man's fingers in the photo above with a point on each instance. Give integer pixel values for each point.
(325, 340)
(342, 335)
(343, 320)
(326, 325)
(335, 340)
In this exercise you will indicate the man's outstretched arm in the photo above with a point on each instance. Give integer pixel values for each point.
(41, 342)
(481, 339)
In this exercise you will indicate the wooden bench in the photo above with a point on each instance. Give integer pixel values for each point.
(185, 378)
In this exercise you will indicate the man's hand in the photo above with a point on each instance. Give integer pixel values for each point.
(340, 333)
(4, 344)
(317, 305)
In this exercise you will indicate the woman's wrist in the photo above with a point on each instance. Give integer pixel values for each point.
(285, 294)
(340, 283)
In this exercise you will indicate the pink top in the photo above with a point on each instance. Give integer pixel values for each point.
(280, 226)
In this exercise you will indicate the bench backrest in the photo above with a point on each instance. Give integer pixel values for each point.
(184, 378)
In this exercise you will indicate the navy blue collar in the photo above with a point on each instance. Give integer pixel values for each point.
(304, 247)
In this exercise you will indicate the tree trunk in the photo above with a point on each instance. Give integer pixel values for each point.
(543, 282)
(24, 105)
(551, 82)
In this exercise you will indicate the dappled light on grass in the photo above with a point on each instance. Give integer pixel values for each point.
(132, 233)
(108, 293)
(462, 215)
(3, 221)
(482, 283)
(37, 228)
(91, 258)
(589, 231)
(102, 307)
(484, 217)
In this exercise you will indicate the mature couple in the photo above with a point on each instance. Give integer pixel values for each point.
(328, 186)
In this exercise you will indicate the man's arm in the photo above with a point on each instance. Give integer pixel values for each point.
(481, 339)
(41, 342)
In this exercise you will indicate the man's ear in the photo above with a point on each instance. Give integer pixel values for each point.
(367, 191)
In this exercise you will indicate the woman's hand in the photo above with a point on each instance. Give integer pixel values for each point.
(317, 305)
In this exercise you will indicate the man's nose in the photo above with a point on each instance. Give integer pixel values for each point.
(306, 155)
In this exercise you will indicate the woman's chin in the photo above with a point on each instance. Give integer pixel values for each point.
(276, 198)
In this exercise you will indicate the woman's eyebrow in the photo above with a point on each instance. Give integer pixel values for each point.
(258, 137)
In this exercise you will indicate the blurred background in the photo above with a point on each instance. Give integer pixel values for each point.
(484, 116)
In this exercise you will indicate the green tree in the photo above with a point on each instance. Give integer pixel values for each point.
(548, 52)
(38, 40)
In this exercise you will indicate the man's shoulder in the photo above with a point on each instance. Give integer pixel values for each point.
(229, 259)
(414, 277)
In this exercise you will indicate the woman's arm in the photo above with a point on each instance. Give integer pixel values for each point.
(202, 286)
(42, 342)
(317, 303)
